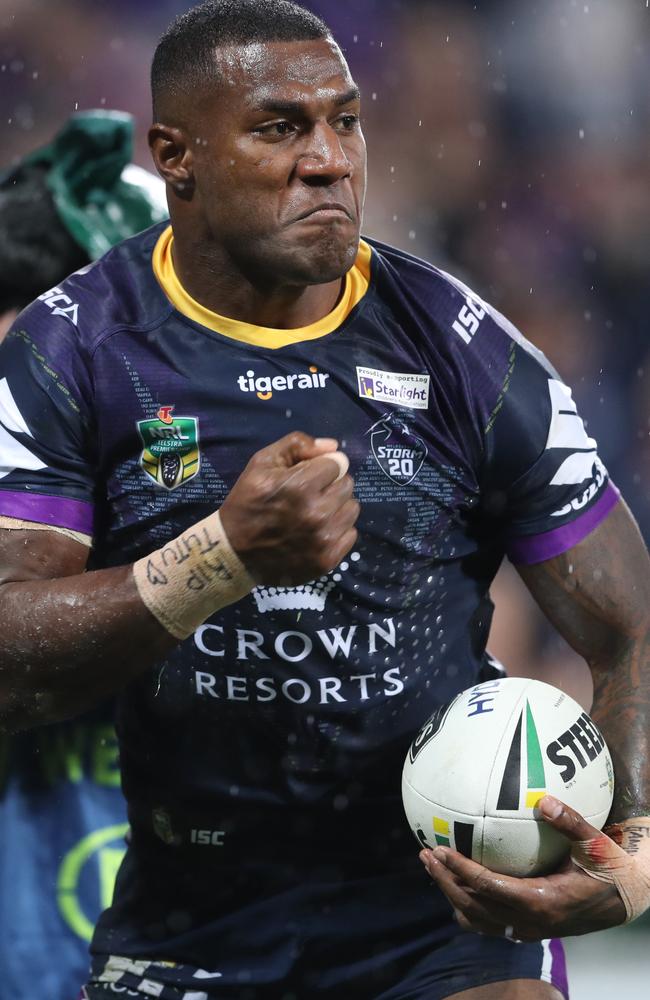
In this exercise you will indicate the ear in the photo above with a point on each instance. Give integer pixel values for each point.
(172, 157)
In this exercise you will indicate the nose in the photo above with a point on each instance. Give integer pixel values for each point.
(323, 160)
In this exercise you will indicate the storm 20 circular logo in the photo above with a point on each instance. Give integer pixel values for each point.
(398, 451)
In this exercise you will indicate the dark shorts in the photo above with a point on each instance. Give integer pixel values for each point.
(463, 962)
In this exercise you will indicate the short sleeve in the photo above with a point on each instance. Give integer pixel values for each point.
(544, 478)
(46, 440)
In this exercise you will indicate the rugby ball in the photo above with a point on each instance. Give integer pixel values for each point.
(478, 767)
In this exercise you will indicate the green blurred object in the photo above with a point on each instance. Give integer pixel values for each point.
(101, 196)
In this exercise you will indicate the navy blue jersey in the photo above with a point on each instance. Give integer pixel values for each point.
(261, 760)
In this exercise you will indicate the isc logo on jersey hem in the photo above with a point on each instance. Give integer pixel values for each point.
(265, 385)
(408, 389)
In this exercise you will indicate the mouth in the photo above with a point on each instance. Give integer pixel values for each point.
(327, 212)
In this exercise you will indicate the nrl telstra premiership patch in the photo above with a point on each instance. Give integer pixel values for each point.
(171, 448)
(400, 388)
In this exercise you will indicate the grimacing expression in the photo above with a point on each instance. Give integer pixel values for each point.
(280, 160)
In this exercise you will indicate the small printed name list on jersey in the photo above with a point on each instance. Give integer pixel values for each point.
(399, 388)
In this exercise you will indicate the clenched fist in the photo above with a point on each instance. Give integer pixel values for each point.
(290, 516)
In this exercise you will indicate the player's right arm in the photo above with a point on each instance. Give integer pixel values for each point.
(69, 637)
(72, 637)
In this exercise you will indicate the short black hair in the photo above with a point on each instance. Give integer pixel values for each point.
(36, 249)
(184, 56)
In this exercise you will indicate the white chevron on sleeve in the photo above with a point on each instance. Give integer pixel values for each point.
(13, 454)
(10, 415)
(575, 469)
(567, 430)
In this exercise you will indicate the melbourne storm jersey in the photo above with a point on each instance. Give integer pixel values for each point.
(261, 760)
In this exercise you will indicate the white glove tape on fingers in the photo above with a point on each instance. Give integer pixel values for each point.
(338, 457)
(191, 577)
(626, 866)
(341, 460)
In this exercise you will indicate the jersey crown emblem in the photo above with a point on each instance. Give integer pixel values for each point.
(310, 596)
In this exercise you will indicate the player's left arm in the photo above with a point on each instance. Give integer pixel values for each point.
(597, 594)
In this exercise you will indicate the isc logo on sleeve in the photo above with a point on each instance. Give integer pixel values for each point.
(60, 304)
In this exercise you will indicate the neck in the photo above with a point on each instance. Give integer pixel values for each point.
(211, 278)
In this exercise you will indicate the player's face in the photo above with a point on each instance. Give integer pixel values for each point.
(280, 161)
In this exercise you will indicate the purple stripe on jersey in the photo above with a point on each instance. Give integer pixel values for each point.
(62, 512)
(530, 549)
(559, 976)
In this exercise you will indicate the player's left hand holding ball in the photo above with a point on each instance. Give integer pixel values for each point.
(602, 884)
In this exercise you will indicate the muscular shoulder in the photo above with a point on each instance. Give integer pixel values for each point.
(452, 315)
(469, 347)
(539, 470)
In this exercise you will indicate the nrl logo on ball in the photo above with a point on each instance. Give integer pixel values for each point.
(171, 448)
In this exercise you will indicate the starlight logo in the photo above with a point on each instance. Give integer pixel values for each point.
(400, 388)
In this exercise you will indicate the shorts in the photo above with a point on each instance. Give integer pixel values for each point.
(464, 961)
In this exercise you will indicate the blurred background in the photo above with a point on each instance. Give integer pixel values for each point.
(509, 143)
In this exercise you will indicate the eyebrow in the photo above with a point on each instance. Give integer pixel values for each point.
(297, 108)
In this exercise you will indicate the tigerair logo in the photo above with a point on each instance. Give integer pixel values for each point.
(265, 385)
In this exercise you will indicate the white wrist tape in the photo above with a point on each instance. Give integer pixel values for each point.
(622, 857)
(191, 577)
